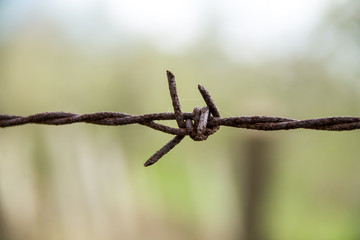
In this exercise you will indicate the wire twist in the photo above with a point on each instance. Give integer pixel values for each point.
(199, 124)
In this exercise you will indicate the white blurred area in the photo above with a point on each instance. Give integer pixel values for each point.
(245, 30)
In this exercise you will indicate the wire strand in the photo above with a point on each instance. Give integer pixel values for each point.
(199, 124)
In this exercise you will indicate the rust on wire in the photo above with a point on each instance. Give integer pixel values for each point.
(199, 124)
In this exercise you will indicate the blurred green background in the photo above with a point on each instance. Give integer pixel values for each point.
(295, 59)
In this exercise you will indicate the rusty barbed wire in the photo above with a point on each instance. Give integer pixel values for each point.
(199, 124)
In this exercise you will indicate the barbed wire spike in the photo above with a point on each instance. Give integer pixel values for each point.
(164, 150)
(199, 124)
(179, 119)
(208, 100)
(175, 99)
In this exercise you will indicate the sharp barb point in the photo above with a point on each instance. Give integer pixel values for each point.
(169, 74)
(164, 150)
(209, 101)
(175, 100)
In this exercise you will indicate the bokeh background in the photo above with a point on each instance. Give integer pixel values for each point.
(296, 59)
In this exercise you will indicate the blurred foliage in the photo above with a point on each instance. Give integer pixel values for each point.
(346, 20)
(336, 41)
(87, 182)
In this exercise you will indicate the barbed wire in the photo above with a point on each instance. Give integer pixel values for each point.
(199, 124)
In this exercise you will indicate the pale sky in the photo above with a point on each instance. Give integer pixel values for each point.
(245, 27)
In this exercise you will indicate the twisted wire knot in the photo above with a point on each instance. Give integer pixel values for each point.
(197, 127)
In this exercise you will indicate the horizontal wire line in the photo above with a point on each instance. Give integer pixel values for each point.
(264, 123)
(199, 124)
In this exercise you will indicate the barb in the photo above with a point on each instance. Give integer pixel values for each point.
(199, 124)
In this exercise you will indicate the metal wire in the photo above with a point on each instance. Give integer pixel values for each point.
(199, 124)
